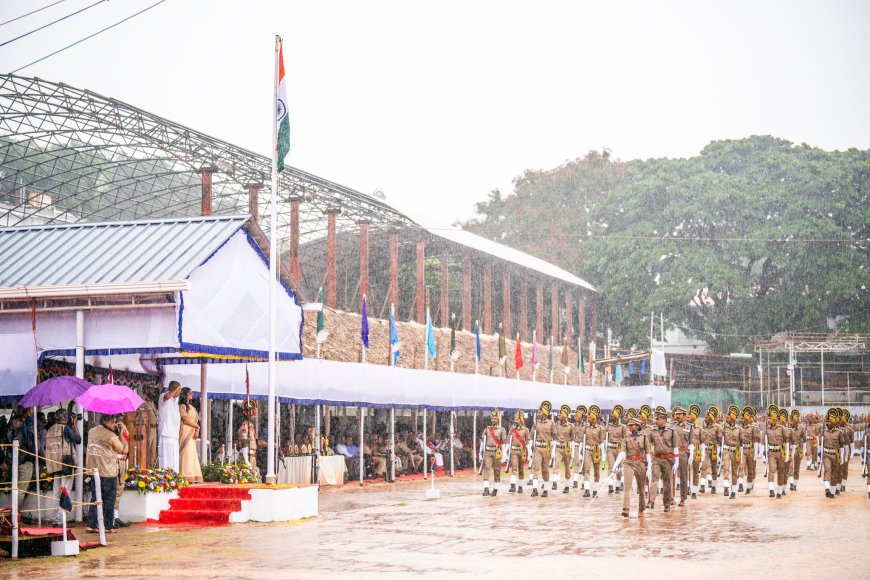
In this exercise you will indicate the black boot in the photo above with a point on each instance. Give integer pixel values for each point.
(566, 489)
(617, 490)
(535, 492)
(520, 489)
(609, 489)
(485, 491)
(703, 489)
(828, 493)
(778, 496)
(694, 496)
(727, 492)
(529, 483)
(585, 493)
(772, 494)
(544, 494)
(740, 487)
(555, 487)
(594, 494)
(733, 495)
(746, 492)
(495, 491)
(576, 484)
(512, 488)
(713, 490)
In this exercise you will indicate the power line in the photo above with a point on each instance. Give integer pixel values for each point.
(52, 23)
(31, 12)
(90, 36)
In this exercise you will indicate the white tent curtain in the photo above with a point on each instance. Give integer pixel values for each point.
(226, 311)
(338, 383)
(17, 364)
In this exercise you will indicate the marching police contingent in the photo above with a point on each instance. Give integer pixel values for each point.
(661, 452)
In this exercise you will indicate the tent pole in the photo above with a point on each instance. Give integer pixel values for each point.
(362, 443)
(204, 413)
(425, 446)
(80, 450)
(474, 442)
(393, 444)
(451, 443)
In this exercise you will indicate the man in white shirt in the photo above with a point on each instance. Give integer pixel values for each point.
(169, 426)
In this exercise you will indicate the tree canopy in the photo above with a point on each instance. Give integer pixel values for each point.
(750, 238)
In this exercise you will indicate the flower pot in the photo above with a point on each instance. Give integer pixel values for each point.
(138, 507)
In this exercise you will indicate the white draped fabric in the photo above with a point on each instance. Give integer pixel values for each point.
(338, 383)
(17, 364)
(226, 311)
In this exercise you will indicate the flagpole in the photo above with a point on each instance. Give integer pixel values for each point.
(273, 272)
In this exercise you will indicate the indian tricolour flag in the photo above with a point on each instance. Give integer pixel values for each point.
(282, 118)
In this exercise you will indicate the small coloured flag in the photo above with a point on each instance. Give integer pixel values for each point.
(617, 377)
(430, 337)
(518, 355)
(364, 325)
(65, 500)
(394, 336)
(580, 364)
(477, 339)
(322, 333)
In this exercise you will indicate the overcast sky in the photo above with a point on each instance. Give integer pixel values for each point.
(438, 103)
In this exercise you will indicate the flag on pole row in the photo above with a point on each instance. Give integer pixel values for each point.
(477, 338)
(282, 118)
(364, 324)
(580, 364)
(322, 333)
(430, 337)
(518, 355)
(394, 336)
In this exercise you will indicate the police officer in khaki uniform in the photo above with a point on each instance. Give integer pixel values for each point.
(564, 435)
(647, 419)
(814, 431)
(578, 434)
(732, 450)
(848, 439)
(519, 438)
(592, 453)
(782, 477)
(798, 450)
(831, 443)
(666, 459)
(543, 433)
(615, 433)
(751, 435)
(711, 436)
(683, 430)
(775, 438)
(493, 437)
(637, 465)
(697, 453)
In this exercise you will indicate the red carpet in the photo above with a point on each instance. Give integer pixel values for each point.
(205, 505)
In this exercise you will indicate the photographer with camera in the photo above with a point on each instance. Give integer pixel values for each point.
(60, 442)
(104, 445)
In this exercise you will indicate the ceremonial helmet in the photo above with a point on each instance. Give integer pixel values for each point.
(565, 411)
(783, 415)
(581, 411)
(678, 409)
(749, 412)
(833, 414)
(795, 415)
(520, 417)
(546, 407)
(631, 413)
(713, 412)
(661, 409)
(845, 415)
(772, 411)
(617, 411)
(733, 412)
(494, 414)
(594, 411)
(645, 411)
(249, 408)
(694, 411)
(634, 421)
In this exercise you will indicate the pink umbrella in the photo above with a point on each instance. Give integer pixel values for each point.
(110, 399)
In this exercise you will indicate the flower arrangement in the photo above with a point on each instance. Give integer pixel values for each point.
(239, 472)
(154, 480)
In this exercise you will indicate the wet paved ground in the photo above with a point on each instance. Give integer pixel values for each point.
(393, 531)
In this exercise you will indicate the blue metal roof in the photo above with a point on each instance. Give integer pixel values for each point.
(110, 252)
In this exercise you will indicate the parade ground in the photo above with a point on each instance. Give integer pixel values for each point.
(392, 530)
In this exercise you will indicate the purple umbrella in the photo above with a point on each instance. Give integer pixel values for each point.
(110, 399)
(53, 391)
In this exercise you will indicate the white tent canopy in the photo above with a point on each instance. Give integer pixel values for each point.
(225, 312)
(369, 385)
